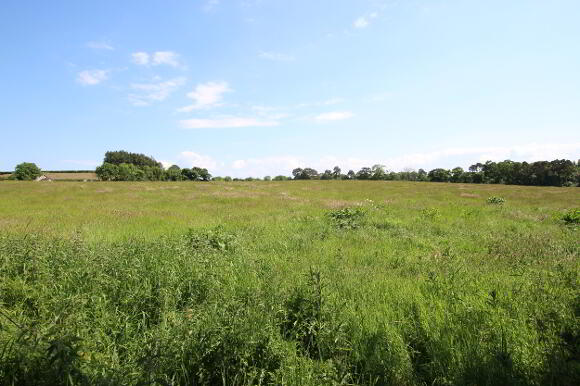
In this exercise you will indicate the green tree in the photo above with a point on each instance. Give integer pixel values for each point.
(457, 174)
(336, 173)
(124, 157)
(305, 174)
(27, 171)
(378, 172)
(364, 174)
(439, 175)
(173, 173)
(108, 172)
(327, 175)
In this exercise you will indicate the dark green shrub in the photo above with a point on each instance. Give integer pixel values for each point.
(494, 200)
(27, 171)
(571, 217)
(213, 239)
(347, 218)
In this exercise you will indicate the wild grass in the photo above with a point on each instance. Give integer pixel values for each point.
(299, 283)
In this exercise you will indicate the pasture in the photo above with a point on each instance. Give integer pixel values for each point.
(297, 282)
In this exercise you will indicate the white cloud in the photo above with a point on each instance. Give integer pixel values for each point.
(361, 22)
(190, 159)
(92, 77)
(450, 157)
(157, 58)
(334, 116)
(166, 164)
(276, 56)
(223, 123)
(100, 46)
(140, 58)
(259, 167)
(147, 93)
(447, 158)
(207, 95)
(169, 58)
(210, 5)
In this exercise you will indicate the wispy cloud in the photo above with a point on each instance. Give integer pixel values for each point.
(326, 102)
(140, 58)
(334, 116)
(99, 45)
(226, 122)
(92, 77)
(190, 158)
(207, 95)
(210, 5)
(447, 158)
(361, 22)
(169, 58)
(364, 21)
(276, 56)
(148, 93)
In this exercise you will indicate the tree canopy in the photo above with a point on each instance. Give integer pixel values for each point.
(27, 171)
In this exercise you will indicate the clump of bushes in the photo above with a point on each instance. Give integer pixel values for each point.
(430, 213)
(495, 200)
(347, 218)
(571, 217)
(217, 239)
(27, 171)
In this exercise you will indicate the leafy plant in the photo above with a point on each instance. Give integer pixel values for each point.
(495, 200)
(347, 218)
(430, 213)
(213, 239)
(571, 217)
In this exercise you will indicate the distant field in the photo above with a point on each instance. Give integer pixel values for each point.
(71, 176)
(298, 282)
(64, 176)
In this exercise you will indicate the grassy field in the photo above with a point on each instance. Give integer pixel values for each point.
(71, 176)
(298, 282)
(63, 176)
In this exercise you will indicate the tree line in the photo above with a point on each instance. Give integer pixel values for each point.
(125, 166)
(542, 173)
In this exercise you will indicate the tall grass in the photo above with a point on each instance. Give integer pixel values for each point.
(428, 288)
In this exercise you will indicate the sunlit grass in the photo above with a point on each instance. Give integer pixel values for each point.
(276, 283)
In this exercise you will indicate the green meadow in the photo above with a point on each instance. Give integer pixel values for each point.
(288, 283)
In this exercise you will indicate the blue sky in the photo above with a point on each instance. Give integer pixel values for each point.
(259, 87)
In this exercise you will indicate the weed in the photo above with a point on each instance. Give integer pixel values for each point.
(213, 239)
(347, 218)
(430, 213)
(571, 217)
(495, 200)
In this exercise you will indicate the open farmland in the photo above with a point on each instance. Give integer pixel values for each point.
(300, 282)
(71, 176)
